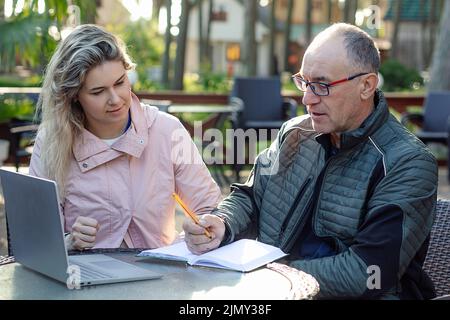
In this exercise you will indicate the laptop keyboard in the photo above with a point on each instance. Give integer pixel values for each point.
(87, 272)
(106, 250)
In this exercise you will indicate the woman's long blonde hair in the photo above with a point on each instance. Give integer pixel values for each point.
(62, 118)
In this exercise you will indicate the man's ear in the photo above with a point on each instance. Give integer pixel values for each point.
(368, 86)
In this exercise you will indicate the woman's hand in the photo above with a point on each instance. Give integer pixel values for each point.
(83, 234)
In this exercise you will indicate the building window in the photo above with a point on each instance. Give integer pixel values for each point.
(233, 52)
(219, 14)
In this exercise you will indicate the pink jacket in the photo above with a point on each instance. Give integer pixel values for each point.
(128, 187)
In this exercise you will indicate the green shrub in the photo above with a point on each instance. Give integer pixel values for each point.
(215, 82)
(145, 47)
(207, 82)
(15, 106)
(147, 85)
(15, 81)
(398, 77)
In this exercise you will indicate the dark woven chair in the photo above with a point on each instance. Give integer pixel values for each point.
(437, 262)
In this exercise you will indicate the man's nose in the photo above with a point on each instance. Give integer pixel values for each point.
(309, 97)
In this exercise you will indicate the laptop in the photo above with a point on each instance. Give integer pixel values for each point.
(37, 237)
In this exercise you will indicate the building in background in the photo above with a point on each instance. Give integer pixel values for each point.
(227, 31)
(226, 35)
(111, 12)
(418, 29)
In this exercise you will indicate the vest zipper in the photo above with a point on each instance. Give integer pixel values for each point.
(297, 228)
(301, 222)
(293, 207)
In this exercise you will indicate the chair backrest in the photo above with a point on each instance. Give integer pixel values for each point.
(437, 261)
(436, 111)
(261, 96)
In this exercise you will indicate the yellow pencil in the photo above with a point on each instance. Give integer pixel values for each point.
(189, 213)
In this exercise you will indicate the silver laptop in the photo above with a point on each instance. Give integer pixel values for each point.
(37, 238)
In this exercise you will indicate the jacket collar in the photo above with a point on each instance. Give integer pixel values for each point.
(90, 151)
(375, 120)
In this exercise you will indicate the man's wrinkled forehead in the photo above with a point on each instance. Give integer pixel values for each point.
(323, 58)
(326, 44)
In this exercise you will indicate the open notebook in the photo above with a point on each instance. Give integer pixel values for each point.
(243, 255)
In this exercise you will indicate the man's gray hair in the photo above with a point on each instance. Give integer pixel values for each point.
(361, 49)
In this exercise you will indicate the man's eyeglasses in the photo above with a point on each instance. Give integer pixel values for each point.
(320, 88)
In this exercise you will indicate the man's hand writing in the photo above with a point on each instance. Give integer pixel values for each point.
(196, 240)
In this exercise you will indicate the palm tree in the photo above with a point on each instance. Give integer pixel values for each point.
(28, 39)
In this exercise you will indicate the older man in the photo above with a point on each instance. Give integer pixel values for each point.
(346, 189)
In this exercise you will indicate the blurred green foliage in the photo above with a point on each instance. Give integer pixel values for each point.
(17, 106)
(207, 82)
(147, 85)
(398, 77)
(215, 82)
(32, 36)
(145, 47)
(15, 81)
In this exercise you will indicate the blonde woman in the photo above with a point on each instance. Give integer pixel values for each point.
(115, 160)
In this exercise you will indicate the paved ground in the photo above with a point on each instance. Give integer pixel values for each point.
(443, 192)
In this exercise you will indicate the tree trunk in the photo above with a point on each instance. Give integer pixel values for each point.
(397, 18)
(440, 70)
(350, 8)
(201, 40)
(330, 11)
(272, 58)
(167, 42)
(423, 47)
(308, 25)
(432, 23)
(2, 10)
(157, 4)
(181, 47)
(287, 34)
(88, 10)
(250, 46)
(208, 52)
